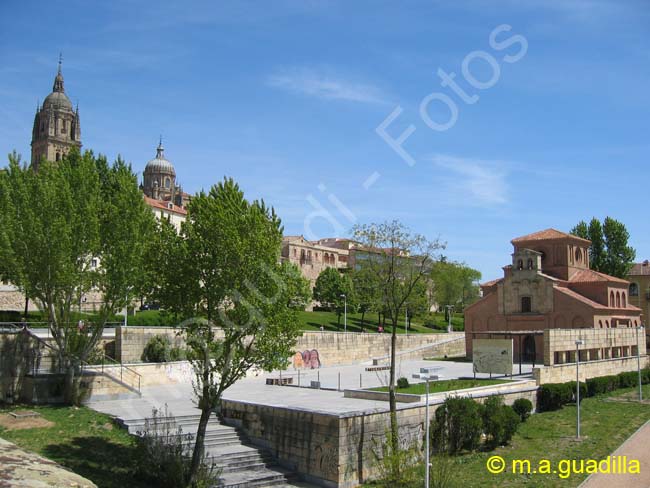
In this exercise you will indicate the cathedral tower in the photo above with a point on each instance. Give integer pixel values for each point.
(56, 125)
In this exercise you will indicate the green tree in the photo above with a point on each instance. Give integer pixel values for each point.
(298, 287)
(399, 260)
(454, 283)
(334, 290)
(54, 223)
(366, 291)
(609, 251)
(226, 263)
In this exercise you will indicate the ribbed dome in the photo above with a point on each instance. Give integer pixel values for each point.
(159, 164)
(58, 100)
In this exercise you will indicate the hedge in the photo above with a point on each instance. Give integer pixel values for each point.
(552, 396)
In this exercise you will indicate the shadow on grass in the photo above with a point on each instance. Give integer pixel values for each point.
(107, 464)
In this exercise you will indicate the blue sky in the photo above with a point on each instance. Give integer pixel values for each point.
(286, 97)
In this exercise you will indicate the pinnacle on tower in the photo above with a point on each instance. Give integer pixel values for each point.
(58, 80)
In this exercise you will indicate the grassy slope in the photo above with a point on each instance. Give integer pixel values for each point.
(84, 441)
(313, 321)
(605, 426)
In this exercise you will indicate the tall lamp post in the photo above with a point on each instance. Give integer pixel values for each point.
(345, 312)
(449, 309)
(638, 359)
(406, 319)
(426, 377)
(579, 343)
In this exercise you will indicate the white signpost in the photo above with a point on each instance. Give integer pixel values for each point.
(492, 356)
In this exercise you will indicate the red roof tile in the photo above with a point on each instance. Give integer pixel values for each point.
(169, 206)
(640, 269)
(591, 276)
(547, 234)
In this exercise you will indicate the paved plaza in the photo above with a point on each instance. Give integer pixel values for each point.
(180, 397)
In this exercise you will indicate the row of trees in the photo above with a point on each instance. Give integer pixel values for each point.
(443, 283)
(609, 251)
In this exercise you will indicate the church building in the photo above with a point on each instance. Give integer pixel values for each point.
(548, 286)
(56, 125)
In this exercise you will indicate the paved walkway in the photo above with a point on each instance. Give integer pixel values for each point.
(180, 397)
(635, 447)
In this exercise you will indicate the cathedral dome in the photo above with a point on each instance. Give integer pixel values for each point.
(160, 165)
(57, 100)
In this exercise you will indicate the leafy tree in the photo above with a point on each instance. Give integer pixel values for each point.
(226, 266)
(454, 283)
(329, 289)
(298, 287)
(399, 260)
(609, 251)
(54, 222)
(366, 291)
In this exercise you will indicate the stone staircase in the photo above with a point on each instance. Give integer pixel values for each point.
(242, 465)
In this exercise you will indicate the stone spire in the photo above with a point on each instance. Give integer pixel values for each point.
(58, 80)
(160, 150)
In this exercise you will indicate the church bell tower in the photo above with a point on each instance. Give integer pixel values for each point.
(56, 125)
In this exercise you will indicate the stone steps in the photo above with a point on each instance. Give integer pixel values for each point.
(242, 465)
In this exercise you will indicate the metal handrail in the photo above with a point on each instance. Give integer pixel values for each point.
(122, 369)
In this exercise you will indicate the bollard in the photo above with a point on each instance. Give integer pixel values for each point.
(339, 381)
(318, 380)
(298, 378)
(360, 385)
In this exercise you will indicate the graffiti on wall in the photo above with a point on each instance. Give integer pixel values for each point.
(307, 359)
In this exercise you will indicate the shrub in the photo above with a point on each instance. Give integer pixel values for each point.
(457, 425)
(402, 383)
(177, 354)
(601, 384)
(628, 379)
(522, 407)
(552, 396)
(397, 468)
(157, 350)
(500, 422)
(165, 454)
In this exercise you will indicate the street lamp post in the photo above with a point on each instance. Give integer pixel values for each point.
(345, 312)
(579, 343)
(406, 320)
(638, 360)
(449, 309)
(426, 377)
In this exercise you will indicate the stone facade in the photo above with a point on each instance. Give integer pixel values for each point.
(548, 285)
(311, 257)
(639, 277)
(56, 125)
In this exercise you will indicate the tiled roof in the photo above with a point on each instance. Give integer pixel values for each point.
(163, 205)
(640, 269)
(580, 298)
(546, 235)
(591, 276)
(491, 283)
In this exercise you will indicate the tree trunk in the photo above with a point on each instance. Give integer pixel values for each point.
(70, 386)
(391, 392)
(197, 455)
(363, 314)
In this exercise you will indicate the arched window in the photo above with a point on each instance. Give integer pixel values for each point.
(578, 255)
(520, 264)
(526, 306)
(623, 300)
(611, 299)
(530, 263)
(58, 156)
(600, 324)
(618, 300)
(634, 290)
(295, 252)
(168, 183)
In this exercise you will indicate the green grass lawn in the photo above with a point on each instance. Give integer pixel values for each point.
(606, 423)
(445, 385)
(82, 440)
(314, 320)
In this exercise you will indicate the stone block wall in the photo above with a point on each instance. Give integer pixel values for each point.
(561, 373)
(334, 348)
(339, 450)
(599, 344)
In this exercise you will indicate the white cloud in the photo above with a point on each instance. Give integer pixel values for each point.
(312, 83)
(473, 181)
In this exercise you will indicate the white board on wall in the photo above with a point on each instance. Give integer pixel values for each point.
(492, 356)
